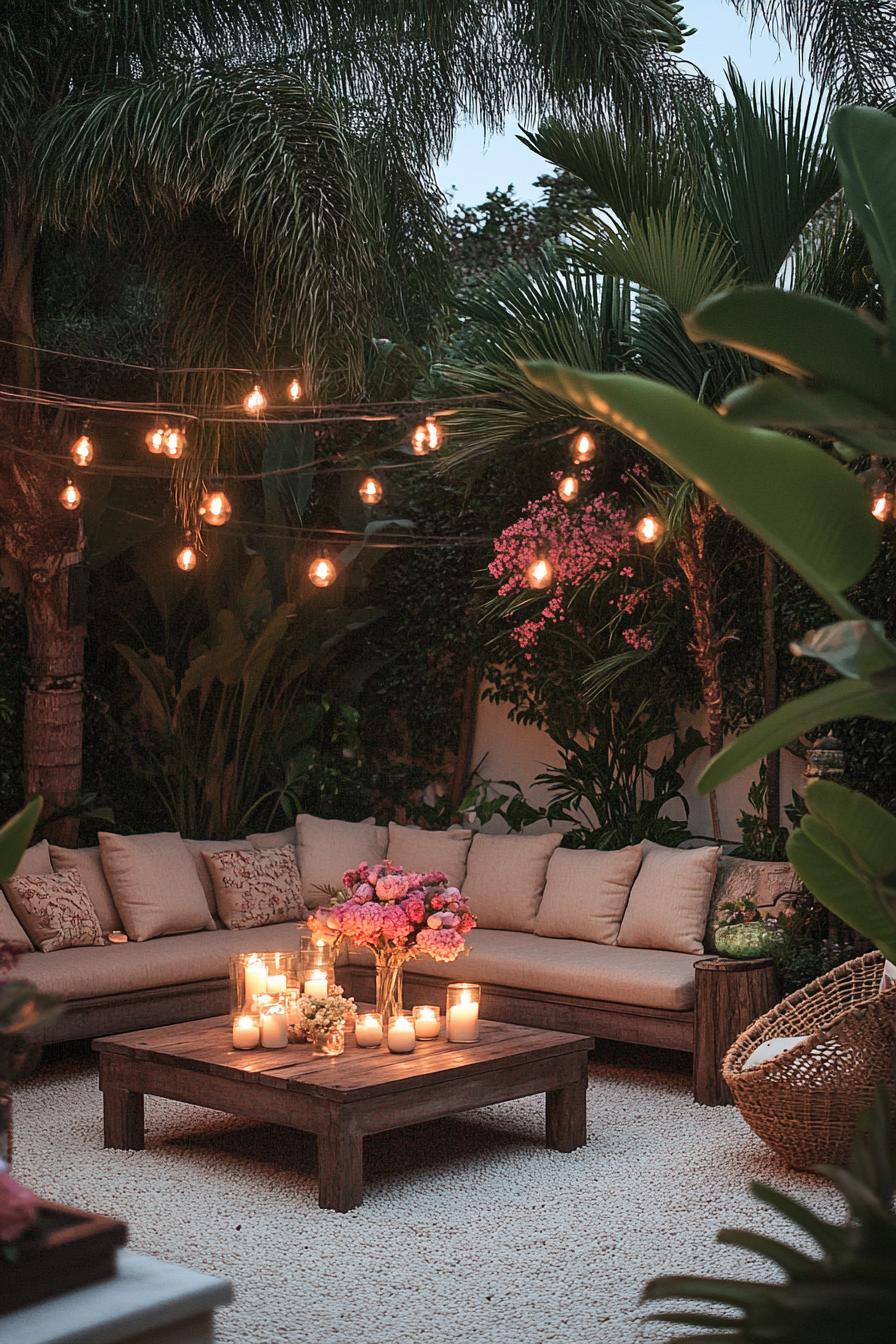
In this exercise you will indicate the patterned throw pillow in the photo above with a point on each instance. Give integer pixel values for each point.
(256, 886)
(56, 911)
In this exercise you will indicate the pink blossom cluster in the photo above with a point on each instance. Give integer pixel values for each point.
(386, 908)
(581, 544)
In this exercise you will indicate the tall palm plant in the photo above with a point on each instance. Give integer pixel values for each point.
(251, 153)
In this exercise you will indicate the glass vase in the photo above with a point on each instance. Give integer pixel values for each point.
(330, 1042)
(389, 985)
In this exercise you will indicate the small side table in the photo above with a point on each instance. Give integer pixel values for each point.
(147, 1302)
(729, 994)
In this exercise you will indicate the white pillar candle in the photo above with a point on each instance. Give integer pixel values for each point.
(256, 978)
(316, 985)
(274, 1030)
(400, 1038)
(369, 1029)
(463, 1020)
(245, 1033)
(426, 1023)
(276, 984)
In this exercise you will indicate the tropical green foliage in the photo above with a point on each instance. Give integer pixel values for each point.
(839, 1293)
(22, 1007)
(15, 835)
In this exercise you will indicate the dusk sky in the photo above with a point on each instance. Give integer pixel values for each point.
(474, 169)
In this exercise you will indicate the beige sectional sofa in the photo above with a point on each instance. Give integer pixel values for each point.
(556, 946)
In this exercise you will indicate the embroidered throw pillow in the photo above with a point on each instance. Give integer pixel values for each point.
(256, 886)
(56, 910)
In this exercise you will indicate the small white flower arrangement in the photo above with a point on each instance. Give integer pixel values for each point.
(318, 1016)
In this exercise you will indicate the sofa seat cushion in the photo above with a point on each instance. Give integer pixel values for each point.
(122, 968)
(563, 966)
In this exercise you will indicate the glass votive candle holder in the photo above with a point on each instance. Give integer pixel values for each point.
(427, 1021)
(255, 976)
(369, 1030)
(318, 968)
(462, 1013)
(274, 1026)
(400, 1036)
(246, 1032)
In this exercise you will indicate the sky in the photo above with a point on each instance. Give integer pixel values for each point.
(474, 168)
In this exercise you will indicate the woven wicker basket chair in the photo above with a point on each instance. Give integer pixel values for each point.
(805, 1103)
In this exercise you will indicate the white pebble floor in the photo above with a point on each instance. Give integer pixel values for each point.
(470, 1229)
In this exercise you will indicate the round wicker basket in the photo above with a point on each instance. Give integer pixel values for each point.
(805, 1103)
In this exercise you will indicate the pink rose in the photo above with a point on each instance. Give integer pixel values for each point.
(18, 1208)
(467, 922)
(449, 920)
(414, 909)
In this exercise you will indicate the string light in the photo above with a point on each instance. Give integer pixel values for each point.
(568, 488)
(322, 571)
(82, 449)
(214, 507)
(540, 573)
(187, 556)
(294, 390)
(583, 447)
(649, 528)
(70, 495)
(255, 401)
(370, 490)
(155, 439)
(174, 441)
(427, 438)
(880, 507)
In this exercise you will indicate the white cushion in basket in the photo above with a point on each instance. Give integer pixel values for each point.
(778, 1045)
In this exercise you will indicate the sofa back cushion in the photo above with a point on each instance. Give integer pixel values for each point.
(154, 884)
(56, 910)
(200, 847)
(760, 880)
(327, 849)
(273, 839)
(586, 893)
(419, 851)
(88, 863)
(505, 879)
(34, 862)
(255, 887)
(669, 900)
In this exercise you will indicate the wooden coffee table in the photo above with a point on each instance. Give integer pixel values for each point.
(342, 1099)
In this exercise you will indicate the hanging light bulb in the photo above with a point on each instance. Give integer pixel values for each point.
(174, 441)
(427, 437)
(370, 490)
(255, 401)
(214, 507)
(881, 506)
(583, 447)
(322, 571)
(155, 439)
(294, 390)
(82, 449)
(568, 488)
(540, 573)
(70, 495)
(187, 556)
(649, 528)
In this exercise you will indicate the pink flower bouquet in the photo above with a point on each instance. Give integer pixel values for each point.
(397, 915)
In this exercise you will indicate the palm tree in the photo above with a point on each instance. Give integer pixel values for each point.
(268, 161)
(720, 196)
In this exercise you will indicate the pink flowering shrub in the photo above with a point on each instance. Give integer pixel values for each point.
(387, 909)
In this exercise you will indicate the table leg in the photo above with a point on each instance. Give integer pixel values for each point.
(122, 1118)
(565, 1116)
(340, 1167)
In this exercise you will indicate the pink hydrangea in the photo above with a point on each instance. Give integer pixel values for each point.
(440, 944)
(392, 887)
(18, 1208)
(397, 928)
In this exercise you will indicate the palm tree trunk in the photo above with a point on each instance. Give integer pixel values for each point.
(770, 684)
(707, 641)
(46, 543)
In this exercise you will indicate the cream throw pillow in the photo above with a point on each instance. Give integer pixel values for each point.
(256, 887)
(419, 851)
(88, 863)
(34, 862)
(273, 839)
(586, 893)
(505, 879)
(154, 884)
(327, 849)
(56, 910)
(668, 903)
(198, 848)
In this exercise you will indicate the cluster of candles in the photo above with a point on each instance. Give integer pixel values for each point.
(272, 1004)
(424, 1023)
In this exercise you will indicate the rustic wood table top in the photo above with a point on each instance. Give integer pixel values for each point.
(340, 1099)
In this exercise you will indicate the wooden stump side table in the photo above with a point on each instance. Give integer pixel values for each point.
(729, 994)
